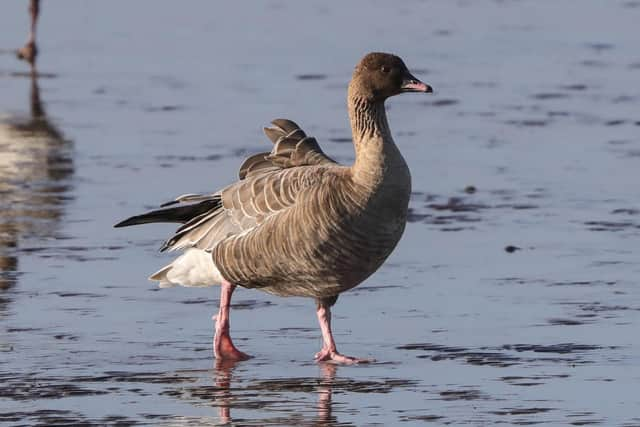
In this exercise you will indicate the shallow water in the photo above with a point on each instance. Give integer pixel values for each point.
(512, 299)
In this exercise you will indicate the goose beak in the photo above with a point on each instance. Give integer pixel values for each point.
(411, 84)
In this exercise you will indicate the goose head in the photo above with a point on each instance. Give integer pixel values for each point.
(379, 76)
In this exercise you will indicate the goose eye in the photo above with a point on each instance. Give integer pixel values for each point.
(385, 69)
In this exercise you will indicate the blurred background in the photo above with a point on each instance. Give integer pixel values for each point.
(512, 298)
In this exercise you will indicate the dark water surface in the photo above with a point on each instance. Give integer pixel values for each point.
(512, 299)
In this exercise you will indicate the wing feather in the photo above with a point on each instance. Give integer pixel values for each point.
(291, 147)
(269, 184)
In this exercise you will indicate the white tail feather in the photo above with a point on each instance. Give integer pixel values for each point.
(194, 268)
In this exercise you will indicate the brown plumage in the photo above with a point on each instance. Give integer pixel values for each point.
(297, 223)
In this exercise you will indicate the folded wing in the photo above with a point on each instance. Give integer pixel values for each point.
(269, 184)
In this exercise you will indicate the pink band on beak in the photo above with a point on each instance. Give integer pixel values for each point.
(416, 86)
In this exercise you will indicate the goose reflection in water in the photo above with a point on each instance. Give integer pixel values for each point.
(29, 51)
(227, 396)
(35, 165)
(325, 392)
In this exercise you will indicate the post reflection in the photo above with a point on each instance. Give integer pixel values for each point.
(225, 397)
(35, 165)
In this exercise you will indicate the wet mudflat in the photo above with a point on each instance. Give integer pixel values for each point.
(512, 299)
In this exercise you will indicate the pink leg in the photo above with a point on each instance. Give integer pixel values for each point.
(329, 353)
(223, 347)
(29, 51)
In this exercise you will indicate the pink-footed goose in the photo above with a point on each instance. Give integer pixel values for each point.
(297, 223)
